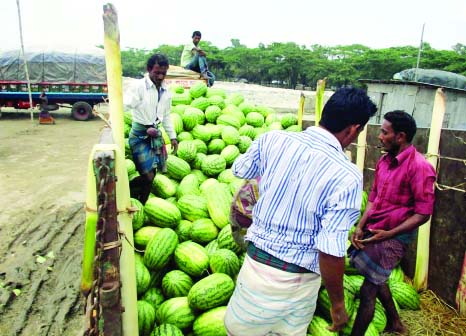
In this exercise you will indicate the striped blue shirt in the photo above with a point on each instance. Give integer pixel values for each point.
(310, 195)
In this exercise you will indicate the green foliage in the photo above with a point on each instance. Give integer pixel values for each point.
(289, 64)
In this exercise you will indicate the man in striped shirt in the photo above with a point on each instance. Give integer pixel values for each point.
(149, 100)
(310, 196)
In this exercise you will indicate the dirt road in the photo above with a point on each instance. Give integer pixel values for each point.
(42, 188)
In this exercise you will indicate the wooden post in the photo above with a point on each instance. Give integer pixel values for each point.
(301, 111)
(319, 99)
(422, 254)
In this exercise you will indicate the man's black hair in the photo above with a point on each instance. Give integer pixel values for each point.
(402, 122)
(157, 58)
(347, 106)
(196, 33)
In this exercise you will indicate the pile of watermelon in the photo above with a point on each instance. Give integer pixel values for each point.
(187, 272)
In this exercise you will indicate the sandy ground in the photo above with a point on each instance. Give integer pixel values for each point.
(42, 187)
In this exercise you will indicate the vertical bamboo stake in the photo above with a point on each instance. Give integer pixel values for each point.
(422, 255)
(361, 149)
(26, 70)
(301, 111)
(115, 96)
(319, 100)
(461, 291)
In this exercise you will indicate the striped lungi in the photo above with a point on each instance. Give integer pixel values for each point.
(269, 301)
(148, 153)
(377, 260)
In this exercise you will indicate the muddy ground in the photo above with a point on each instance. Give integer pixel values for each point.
(42, 188)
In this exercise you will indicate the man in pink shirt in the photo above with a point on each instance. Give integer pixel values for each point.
(401, 199)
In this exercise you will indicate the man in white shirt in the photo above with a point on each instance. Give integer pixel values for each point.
(194, 58)
(149, 100)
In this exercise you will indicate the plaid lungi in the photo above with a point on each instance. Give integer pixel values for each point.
(377, 260)
(148, 153)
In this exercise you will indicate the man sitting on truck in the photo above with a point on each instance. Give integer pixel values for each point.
(194, 58)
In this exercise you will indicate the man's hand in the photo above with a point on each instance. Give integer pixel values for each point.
(356, 238)
(174, 144)
(339, 317)
(379, 235)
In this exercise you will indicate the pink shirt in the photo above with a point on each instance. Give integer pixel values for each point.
(402, 186)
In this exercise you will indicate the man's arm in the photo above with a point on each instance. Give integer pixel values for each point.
(331, 270)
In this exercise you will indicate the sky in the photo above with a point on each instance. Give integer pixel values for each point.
(146, 24)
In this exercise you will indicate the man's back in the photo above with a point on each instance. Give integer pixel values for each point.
(302, 176)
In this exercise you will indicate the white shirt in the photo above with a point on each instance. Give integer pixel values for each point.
(309, 195)
(143, 100)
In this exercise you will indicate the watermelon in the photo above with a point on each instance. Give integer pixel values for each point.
(216, 146)
(203, 231)
(213, 164)
(162, 213)
(191, 258)
(210, 323)
(212, 113)
(176, 311)
(144, 234)
(319, 326)
(138, 215)
(187, 150)
(224, 261)
(225, 240)
(154, 296)
(288, 119)
(218, 204)
(197, 90)
(167, 329)
(193, 207)
(160, 248)
(146, 318)
(183, 230)
(163, 187)
(176, 283)
(177, 168)
(405, 295)
(212, 291)
(142, 275)
(230, 135)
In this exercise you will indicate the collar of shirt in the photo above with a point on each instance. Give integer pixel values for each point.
(401, 157)
(327, 137)
(150, 84)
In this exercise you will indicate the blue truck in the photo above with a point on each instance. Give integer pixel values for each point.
(74, 79)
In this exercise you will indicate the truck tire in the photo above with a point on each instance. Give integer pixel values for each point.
(81, 111)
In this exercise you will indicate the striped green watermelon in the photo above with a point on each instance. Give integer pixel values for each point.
(201, 103)
(211, 247)
(203, 231)
(160, 249)
(144, 234)
(154, 296)
(230, 135)
(163, 187)
(176, 283)
(405, 295)
(197, 90)
(187, 150)
(193, 207)
(212, 113)
(177, 168)
(183, 230)
(319, 327)
(224, 261)
(189, 185)
(201, 146)
(146, 317)
(218, 204)
(184, 136)
(192, 258)
(142, 275)
(201, 132)
(167, 329)
(225, 240)
(216, 146)
(176, 311)
(162, 213)
(138, 216)
(212, 291)
(210, 323)
(230, 153)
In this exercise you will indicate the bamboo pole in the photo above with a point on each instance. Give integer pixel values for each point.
(115, 96)
(26, 70)
(461, 291)
(319, 99)
(422, 254)
(301, 111)
(361, 149)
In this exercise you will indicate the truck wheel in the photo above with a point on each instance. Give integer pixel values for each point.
(81, 111)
